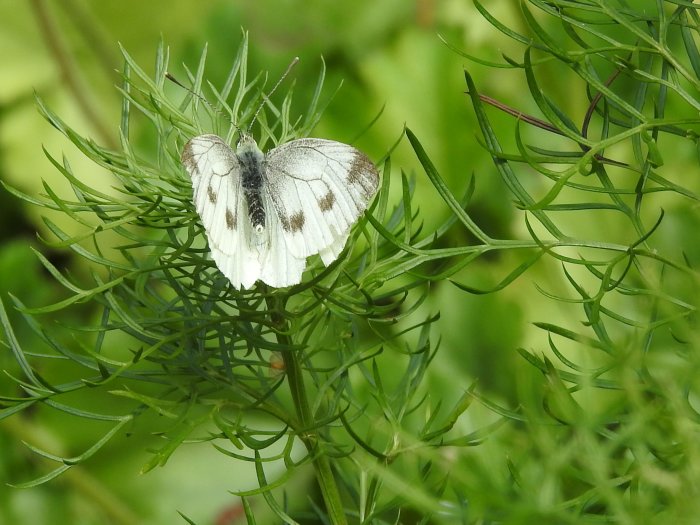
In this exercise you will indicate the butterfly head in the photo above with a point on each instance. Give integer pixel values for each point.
(246, 143)
(245, 139)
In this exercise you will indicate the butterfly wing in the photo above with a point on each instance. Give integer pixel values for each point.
(317, 189)
(218, 197)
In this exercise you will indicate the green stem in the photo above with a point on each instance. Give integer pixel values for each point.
(309, 435)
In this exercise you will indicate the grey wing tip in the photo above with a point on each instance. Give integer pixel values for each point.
(187, 158)
(188, 155)
(363, 173)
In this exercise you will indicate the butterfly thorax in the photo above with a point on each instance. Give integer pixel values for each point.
(251, 162)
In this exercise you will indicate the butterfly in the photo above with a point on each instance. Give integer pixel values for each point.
(265, 213)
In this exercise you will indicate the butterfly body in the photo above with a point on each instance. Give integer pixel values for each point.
(251, 161)
(264, 214)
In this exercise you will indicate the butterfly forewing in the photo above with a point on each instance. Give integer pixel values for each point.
(312, 191)
(319, 188)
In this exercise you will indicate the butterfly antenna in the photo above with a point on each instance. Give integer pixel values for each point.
(201, 98)
(266, 98)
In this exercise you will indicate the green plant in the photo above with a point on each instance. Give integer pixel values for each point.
(172, 337)
(620, 380)
(603, 428)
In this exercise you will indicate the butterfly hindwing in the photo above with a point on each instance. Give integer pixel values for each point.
(280, 266)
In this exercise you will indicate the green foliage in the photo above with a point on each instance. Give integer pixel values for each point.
(620, 382)
(604, 426)
(171, 336)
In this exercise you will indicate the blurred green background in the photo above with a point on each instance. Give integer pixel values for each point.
(388, 55)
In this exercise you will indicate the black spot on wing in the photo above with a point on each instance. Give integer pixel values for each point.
(230, 220)
(294, 223)
(211, 194)
(327, 201)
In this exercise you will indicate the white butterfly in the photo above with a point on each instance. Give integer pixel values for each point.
(264, 214)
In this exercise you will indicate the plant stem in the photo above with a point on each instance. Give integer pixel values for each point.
(309, 435)
(70, 73)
